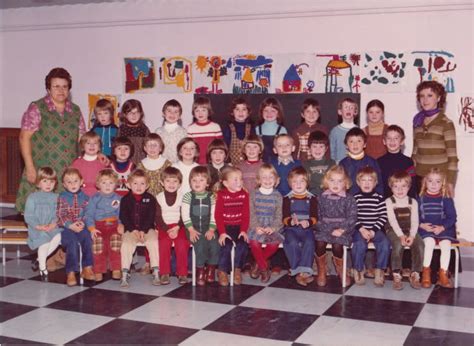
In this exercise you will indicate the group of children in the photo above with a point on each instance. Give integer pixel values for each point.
(245, 187)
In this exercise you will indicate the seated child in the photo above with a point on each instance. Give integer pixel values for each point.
(188, 154)
(102, 220)
(197, 213)
(299, 217)
(40, 216)
(347, 110)
(137, 214)
(356, 159)
(104, 125)
(402, 228)
(252, 151)
(437, 225)
(371, 220)
(283, 146)
(232, 219)
(337, 217)
(122, 163)
(217, 155)
(170, 227)
(71, 207)
(265, 221)
(318, 162)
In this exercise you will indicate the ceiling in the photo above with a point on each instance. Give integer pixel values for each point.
(5, 4)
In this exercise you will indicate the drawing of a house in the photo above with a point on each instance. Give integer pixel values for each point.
(291, 80)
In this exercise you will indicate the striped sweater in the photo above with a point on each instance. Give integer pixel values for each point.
(434, 145)
(371, 211)
(232, 209)
(203, 134)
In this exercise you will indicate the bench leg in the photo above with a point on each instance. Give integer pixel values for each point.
(456, 267)
(194, 266)
(4, 255)
(81, 279)
(18, 251)
(232, 255)
(344, 266)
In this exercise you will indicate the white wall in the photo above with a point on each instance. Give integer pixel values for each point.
(92, 40)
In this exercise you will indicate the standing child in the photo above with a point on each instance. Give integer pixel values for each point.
(40, 216)
(437, 225)
(104, 125)
(171, 132)
(347, 110)
(217, 156)
(318, 163)
(102, 220)
(375, 129)
(88, 163)
(71, 207)
(232, 219)
(371, 220)
(337, 215)
(265, 221)
(203, 130)
(154, 163)
(137, 214)
(188, 154)
(299, 216)
(284, 147)
(310, 122)
(133, 127)
(238, 129)
(197, 213)
(401, 229)
(252, 151)
(270, 124)
(122, 163)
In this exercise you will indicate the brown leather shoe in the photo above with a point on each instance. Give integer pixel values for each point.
(254, 271)
(415, 280)
(223, 278)
(98, 277)
(338, 263)
(87, 273)
(265, 276)
(444, 280)
(71, 279)
(211, 274)
(301, 279)
(116, 274)
(237, 276)
(426, 277)
(322, 270)
(201, 276)
(397, 283)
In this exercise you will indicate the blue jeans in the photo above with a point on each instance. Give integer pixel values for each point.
(359, 249)
(70, 241)
(241, 250)
(299, 249)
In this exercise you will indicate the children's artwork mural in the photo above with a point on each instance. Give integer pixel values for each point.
(466, 114)
(139, 74)
(175, 74)
(291, 76)
(212, 75)
(252, 74)
(384, 72)
(435, 65)
(337, 73)
(92, 100)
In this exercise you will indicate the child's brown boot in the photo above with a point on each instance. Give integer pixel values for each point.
(211, 273)
(200, 276)
(237, 276)
(444, 280)
(223, 278)
(397, 283)
(359, 278)
(379, 279)
(301, 279)
(98, 277)
(71, 279)
(338, 263)
(254, 271)
(426, 277)
(265, 275)
(87, 273)
(322, 270)
(415, 280)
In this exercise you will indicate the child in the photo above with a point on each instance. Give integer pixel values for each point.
(252, 151)
(170, 227)
(238, 129)
(188, 154)
(283, 146)
(437, 225)
(310, 122)
(154, 163)
(337, 215)
(133, 126)
(401, 229)
(197, 213)
(104, 125)
(394, 160)
(232, 219)
(375, 129)
(102, 220)
(88, 163)
(40, 216)
(203, 130)
(318, 162)
(171, 132)
(356, 159)
(122, 163)
(371, 220)
(270, 125)
(71, 207)
(137, 214)
(265, 221)
(299, 217)
(217, 156)
(347, 110)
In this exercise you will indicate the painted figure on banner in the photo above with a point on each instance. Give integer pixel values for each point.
(139, 74)
(214, 67)
(176, 71)
(340, 72)
(435, 65)
(293, 80)
(252, 74)
(384, 69)
(466, 114)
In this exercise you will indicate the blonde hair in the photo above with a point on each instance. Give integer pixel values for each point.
(46, 173)
(227, 172)
(284, 135)
(444, 182)
(271, 169)
(367, 171)
(107, 173)
(90, 135)
(399, 176)
(336, 169)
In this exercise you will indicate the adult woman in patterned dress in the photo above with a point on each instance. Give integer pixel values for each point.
(50, 129)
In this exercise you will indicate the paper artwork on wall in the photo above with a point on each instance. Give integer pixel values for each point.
(175, 74)
(337, 73)
(466, 114)
(435, 65)
(384, 72)
(212, 75)
(139, 74)
(293, 74)
(251, 74)
(92, 100)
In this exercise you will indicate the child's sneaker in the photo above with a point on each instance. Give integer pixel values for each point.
(359, 277)
(397, 283)
(415, 280)
(379, 279)
(156, 279)
(44, 275)
(182, 280)
(125, 282)
(145, 270)
(165, 279)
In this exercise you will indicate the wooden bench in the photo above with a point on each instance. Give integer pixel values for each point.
(12, 233)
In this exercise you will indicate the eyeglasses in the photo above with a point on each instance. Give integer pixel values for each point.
(60, 87)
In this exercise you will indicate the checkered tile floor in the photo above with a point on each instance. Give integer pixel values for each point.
(277, 313)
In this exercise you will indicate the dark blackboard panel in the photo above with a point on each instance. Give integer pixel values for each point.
(291, 106)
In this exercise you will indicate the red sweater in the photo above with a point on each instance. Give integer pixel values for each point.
(232, 209)
(89, 171)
